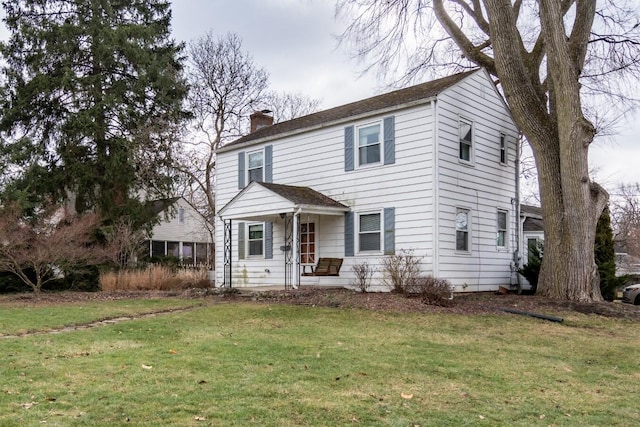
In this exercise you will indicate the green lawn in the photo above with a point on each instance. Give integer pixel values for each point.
(245, 364)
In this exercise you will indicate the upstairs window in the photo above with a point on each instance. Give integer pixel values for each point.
(369, 144)
(502, 229)
(466, 138)
(256, 166)
(180, 215)
(462, 230)
(503, 149)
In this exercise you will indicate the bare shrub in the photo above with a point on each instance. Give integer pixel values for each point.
(431, 290)
(363, 273)
(154, 277)
(402, 270)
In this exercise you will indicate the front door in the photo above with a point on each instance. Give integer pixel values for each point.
(307, 244)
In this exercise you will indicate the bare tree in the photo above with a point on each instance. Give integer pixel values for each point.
(40, 247)
(226, 86)
(551, 58)
(625, 217)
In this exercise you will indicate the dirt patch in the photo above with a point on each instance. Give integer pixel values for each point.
(471, 304)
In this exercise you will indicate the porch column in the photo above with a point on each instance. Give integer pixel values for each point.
(296, 247)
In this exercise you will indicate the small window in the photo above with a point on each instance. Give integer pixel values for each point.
(466, 138)
(462, 229)
(369, 144)
(369, 232)
(256, 239)
(180, 215)
(503, 149)
(256, 166)
(502, 229)
(158, 248)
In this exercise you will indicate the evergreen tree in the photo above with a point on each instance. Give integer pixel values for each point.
(605, 256)
(92, 93)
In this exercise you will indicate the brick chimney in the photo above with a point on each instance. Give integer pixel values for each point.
(260, 119)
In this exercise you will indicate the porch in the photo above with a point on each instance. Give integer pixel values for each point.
(276, 234)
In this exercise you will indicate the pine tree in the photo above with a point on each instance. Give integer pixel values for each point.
(92, 93)
(605, 256)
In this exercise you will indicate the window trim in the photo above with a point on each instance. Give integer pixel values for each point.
(468, 230)
(504, 150)
(380, 124)
(249, 240)
(505, 230)
(249, 169)
(380, 250)
(471, 144)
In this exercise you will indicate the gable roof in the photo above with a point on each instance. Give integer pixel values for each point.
(303, 195)
(396, 98)
(260, 201)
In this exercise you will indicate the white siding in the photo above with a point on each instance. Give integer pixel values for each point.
(413, 185)
(482, 186)
(192, 229)
(316, 159)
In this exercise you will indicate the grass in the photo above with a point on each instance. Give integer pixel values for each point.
(244, 364)
(25, 318)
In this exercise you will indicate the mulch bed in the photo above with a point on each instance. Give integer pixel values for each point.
(472, 304)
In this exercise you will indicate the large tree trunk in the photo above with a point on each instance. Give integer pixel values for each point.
(560, 137)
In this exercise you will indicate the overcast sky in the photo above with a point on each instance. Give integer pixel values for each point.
(294, 40)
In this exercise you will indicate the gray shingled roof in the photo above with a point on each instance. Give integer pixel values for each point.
(398, 97)
(302, 195)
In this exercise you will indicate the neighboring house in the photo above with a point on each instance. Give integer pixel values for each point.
(532, 231)
(428, 169)
(181, 233)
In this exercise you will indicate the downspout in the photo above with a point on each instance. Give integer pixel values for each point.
(436, 192)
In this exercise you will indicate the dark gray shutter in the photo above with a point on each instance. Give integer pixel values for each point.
(348, 234)
(268, 240)
(389, 231)
(241, 170)
(389, 140)
(268, 163)
(348, 149)
(241, 240)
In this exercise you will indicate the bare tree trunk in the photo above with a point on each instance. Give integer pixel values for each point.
(560, 136)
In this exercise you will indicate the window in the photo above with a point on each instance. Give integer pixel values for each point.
(369, 144)
(173, 249)
(256, 166)
(256, 239)
(180, 215)
(502, 229)
(369, 232)
(462, 229)
(503, 149)
(158, 248)
(308, 243)
(466, 138)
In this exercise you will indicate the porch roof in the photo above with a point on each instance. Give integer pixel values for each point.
(262, 201)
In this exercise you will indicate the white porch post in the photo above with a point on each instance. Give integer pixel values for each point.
(296, 249)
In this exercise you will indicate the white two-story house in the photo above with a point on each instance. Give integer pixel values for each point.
(428, 169)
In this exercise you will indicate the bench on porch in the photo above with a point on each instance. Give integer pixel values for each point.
(326, 267)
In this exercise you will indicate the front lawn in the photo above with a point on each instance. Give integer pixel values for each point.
(277, 365)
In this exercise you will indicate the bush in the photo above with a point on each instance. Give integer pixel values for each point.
(401, 271)
(431, 291)
(154, 277)
(531, 271)
(363, 273)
